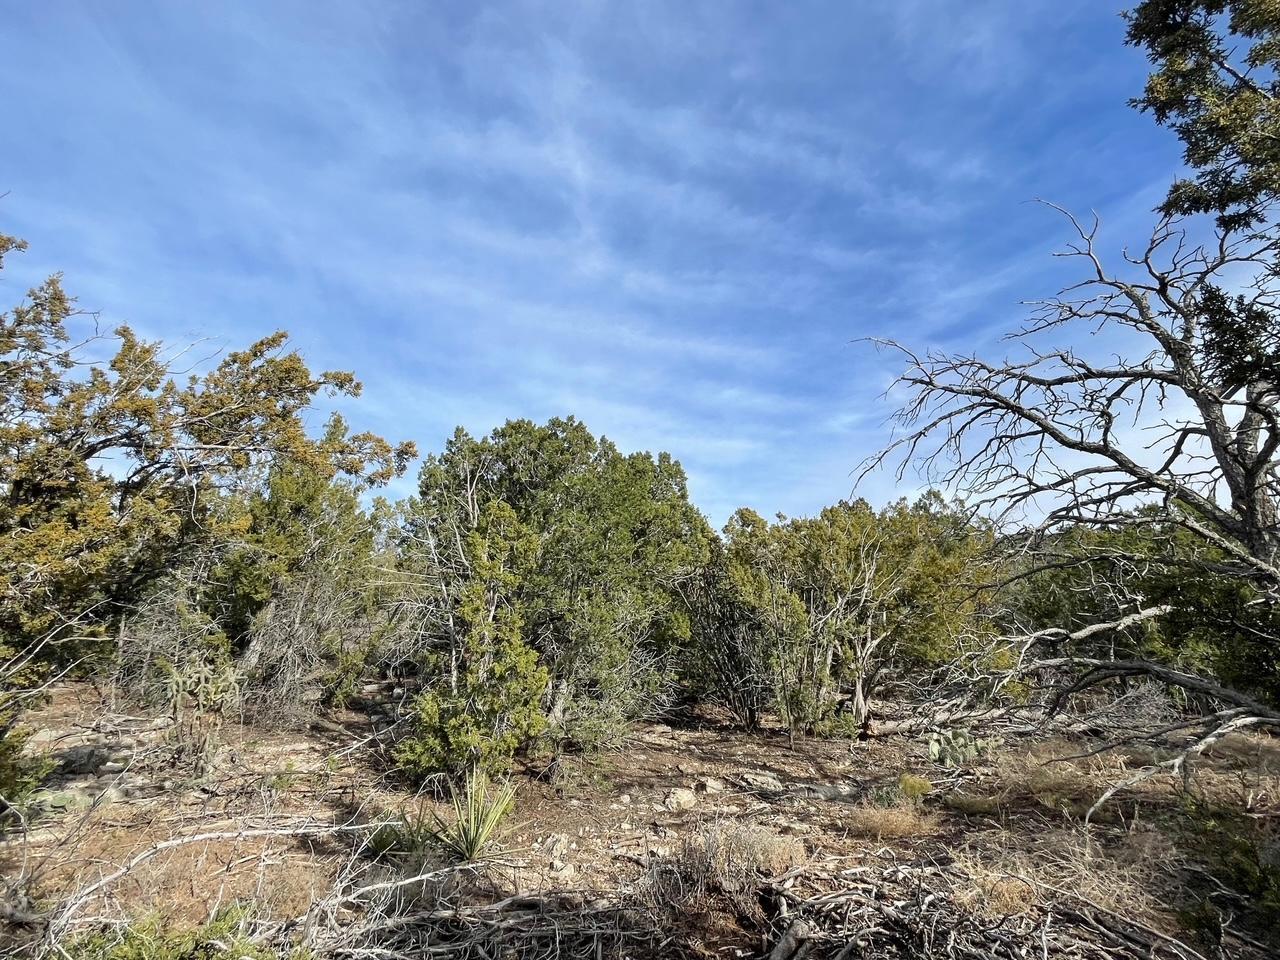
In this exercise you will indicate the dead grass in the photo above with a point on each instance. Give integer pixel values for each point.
(993, 892)
(724, 858)
(972, 805)
(190, 882)
(1006, 875)
(1054, 776)
(728, 851)
(900, 820)
(1010, 826)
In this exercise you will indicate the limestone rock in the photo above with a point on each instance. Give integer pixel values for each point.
(709, 785)
(83, 760)
(759, 781)
(681, 798)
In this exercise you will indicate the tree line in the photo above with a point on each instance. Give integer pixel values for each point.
(542, 589)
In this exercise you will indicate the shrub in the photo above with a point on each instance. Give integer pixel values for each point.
(1241, 856)
(914, 788)
(225, 937)
(19, 774)
(971, 805)
(897, 818)
(496, 710)
(487, 697)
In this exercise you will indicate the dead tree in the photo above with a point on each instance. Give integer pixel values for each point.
(1143, 396)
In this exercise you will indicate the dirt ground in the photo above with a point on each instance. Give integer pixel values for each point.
(1012, 820)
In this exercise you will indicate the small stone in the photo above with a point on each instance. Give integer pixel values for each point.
(761, 782)
(625, 799)
(112, 767)
(82, 760)
(709, 785)
(111, 795)
(681, 798)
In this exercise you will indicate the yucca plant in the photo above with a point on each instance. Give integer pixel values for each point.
(478, 811)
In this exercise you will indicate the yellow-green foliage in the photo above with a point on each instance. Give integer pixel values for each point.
(914, 788)
(77, 541)
(222, 938)
(112, 470)
(825, 602)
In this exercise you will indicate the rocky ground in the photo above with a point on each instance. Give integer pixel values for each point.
(130, 792)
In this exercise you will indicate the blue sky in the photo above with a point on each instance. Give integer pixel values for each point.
(672, 220)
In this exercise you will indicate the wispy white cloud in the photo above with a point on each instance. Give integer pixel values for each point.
(670, 221)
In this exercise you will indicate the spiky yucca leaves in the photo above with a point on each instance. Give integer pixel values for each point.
(479, 807)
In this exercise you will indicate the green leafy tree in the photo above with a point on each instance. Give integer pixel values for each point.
(114, 467)
(1211, 623)
(111, 469)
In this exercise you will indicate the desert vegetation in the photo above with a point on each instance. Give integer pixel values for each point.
(252, 707)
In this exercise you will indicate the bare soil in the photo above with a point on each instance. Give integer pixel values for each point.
(1012, 820)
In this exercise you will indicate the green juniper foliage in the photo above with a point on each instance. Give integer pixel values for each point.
(599, 544)
(485, 693)
(811, 612)
(1215, 84)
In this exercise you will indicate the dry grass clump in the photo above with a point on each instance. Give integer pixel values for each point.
(972, 805)
(1055, 776)
(724, 857)
(900, 819)
(1257, 753)
(1050, 776)
(992, 891)
(1006, 876)
(731, 852)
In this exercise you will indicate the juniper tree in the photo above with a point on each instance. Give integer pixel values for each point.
(114, 455)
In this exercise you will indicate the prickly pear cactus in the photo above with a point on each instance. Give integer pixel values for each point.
(955, 748)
